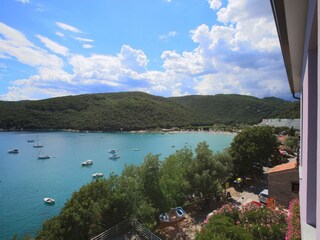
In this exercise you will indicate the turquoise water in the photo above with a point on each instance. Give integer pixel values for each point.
(25, 180)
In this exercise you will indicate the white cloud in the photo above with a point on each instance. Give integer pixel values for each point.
(13, 44)
(60, 34)
(67, 27)
(84, 39)
(87, 46)
(165, 37)
(215, 4)
(23, 1)
(239, 54)
(53, 46)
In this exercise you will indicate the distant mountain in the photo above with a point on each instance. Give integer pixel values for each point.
(137, 110)
(233, 108)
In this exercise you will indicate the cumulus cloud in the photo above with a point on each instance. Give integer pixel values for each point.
(239, 54)
(215, 4)
(67, 27)
(53, 46)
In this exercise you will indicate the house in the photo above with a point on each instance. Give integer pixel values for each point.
(283, 183)
(297, 23)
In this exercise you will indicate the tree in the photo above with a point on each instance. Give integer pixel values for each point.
(173, 180)
(150, 179)
(207, 172)
(292, 142)
(251, 150)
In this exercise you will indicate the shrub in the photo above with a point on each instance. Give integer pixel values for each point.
(250, 222)
(293, 221)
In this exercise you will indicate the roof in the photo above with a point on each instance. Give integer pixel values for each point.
(291, 18)
(283, 167)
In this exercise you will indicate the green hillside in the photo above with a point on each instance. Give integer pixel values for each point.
(232, 108)
(137, 110)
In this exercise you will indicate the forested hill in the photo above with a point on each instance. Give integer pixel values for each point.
(233, 108)
(137, 110)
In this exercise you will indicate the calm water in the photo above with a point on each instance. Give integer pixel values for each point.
(25, 180)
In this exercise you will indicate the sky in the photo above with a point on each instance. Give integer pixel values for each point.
(162, 47)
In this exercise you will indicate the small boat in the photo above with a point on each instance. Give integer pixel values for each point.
(97, 175)
(42, 157)
(114, 156)
(113, 151)
(49, 200)
(30, 141)
(37, 146)
(13, 151)
(136, 149)
(87, 163)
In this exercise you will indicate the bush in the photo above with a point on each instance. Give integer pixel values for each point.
(251, 222)
(293, 221)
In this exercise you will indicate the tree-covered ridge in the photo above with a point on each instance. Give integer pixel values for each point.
(137, 110)
(233, 108)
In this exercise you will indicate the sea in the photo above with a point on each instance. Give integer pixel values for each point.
(25, 180)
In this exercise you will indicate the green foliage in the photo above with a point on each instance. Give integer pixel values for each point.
(292, 143)
(137, 110)
(239, 109)
(251, 150)
(173, 179)
(251, 222)
(141, 192)
(208, 172)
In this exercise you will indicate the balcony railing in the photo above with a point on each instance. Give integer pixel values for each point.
(125, 226)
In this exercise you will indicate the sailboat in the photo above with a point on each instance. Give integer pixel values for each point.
(37, 145)
(42, 156)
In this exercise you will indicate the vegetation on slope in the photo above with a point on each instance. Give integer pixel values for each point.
(235, 109)
(137, 110)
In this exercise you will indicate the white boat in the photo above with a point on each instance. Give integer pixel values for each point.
(13, 151)
(42, 156)
(87, 163)
(49, 200)
(96, 175)
(136, 149)
(113, 151)
(114, 156)
(37, 145)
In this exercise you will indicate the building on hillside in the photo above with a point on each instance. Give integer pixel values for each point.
(283, 183)
(297, 24)
(295, 123)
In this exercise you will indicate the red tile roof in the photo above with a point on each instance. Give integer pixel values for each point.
(283, 167)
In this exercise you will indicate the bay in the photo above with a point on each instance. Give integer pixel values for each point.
(25, 180)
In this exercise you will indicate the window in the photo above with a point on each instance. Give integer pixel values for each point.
(295, 187)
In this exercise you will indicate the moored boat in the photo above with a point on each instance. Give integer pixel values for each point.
(113, 151)
(13, 151)
(49, 200)
(87, 163)
(114, 156)
(43, 157)
(97, 175)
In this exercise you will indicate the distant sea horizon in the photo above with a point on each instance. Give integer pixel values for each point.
(25, 180)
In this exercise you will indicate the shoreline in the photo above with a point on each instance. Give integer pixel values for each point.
(132, 131)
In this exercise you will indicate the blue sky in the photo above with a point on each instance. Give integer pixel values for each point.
(163, 47)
